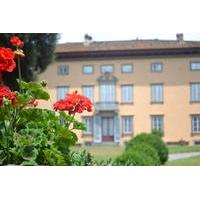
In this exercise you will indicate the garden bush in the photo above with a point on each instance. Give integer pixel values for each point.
(152, 140)
(81, 158)
(157, 132)
(140, 154)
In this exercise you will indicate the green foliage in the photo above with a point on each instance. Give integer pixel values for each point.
(152, 140)
(34, 136)
(141, 154)
(157, 132)
(39, 53)
(81, 158)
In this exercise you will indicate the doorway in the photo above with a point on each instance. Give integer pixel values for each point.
(107, 129)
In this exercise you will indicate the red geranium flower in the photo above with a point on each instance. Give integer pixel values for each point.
(74, 103)
(5, 92)
(16, 41)
(33, 102)
(7, 62)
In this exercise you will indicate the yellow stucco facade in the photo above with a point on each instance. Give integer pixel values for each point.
(176, 78)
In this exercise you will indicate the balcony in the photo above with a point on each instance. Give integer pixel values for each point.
(106, 106)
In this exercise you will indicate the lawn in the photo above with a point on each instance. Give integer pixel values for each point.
(106, 152)
(182, 149)
(192, 161)
(102, 152)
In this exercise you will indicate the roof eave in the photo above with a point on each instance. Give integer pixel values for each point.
(130, 52)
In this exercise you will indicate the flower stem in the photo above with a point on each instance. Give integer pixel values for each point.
(69, 123)
(19, 68)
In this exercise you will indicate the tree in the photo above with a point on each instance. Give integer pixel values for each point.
(39, 49)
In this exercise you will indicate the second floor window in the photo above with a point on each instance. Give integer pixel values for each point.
(195, 92)
(106, 68)
(107, 92)
(88, 69)
(195, 66)
(127, 93)
(157, 122)
(127, 68)
(156, 67)
(157, 93)
(88, 91)
(61, 92)
(62, 70)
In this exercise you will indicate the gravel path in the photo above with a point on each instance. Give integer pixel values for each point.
(178, 156)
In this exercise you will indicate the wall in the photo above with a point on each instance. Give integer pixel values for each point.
(176, 77)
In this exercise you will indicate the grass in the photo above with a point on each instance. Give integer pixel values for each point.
(192, 161)
(102, 152)
(182, 149)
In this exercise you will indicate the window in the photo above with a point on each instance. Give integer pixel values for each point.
(195, 92)
(106, 68)
(157, 122)
(127, 124)
(157, 93)
(62, 70)
(88, 69)
(156, 67)
(127, 93)
(127, 68)
(195, 66)
(88, 121)
(61, 91)
(107, 92)
(196, 124)
(88, 91)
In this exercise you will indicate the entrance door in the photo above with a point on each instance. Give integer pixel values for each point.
(107, 129)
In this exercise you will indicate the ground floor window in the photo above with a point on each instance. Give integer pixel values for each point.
(61, 92)
(88, 121)
(196, 124)
(127, 124)
(157, 122)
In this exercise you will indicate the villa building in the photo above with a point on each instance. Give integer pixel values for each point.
(135, 86)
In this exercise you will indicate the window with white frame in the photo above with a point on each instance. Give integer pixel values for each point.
(156, 67)
(61, 92)
(88, 121)
(157, 93)
(127, 124)
(88, 69)
(127, 93)
(195, 123)
(107, 92)
(195, 92)
(88, 91)
(106, 68)
(127, 68)
(157, 122)
(195, 66)
(63, 70)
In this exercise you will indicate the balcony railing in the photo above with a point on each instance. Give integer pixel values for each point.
(106, 106)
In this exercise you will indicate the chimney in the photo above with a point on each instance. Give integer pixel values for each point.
(179, 37)
(87, 39)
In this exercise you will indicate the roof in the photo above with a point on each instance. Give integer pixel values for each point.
(133, 48)
(125, 45)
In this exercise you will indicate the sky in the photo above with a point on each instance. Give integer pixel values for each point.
(106, 19)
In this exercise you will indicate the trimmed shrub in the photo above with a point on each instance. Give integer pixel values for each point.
(141, 154)
(153, 141)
